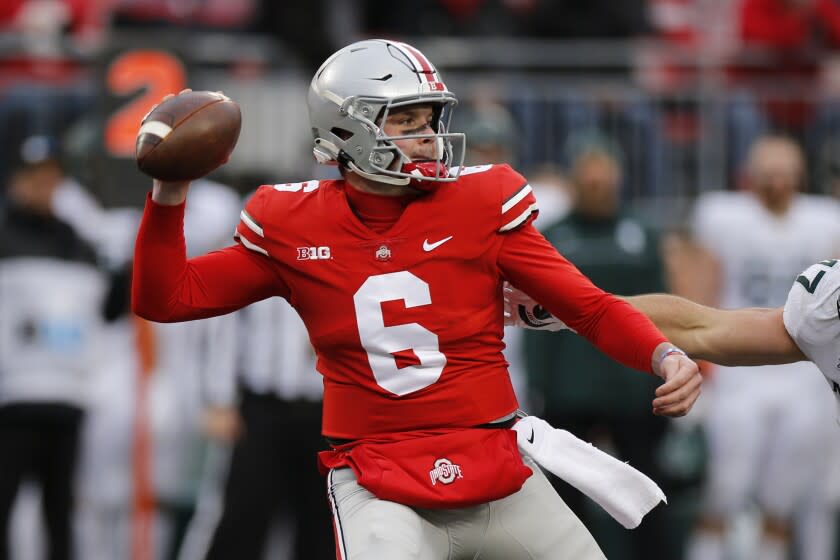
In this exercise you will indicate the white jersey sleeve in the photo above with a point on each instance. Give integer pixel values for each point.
(812, 318)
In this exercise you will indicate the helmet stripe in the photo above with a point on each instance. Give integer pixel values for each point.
(420, 61)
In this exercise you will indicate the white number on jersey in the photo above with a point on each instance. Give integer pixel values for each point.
(380, 341)
(470, 170)
(306, 186)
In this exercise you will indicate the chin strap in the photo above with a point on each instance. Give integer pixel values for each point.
(431, 169)
(378, 177)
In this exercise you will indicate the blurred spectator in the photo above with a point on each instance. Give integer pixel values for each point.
(707, 24)
(206, 14)
(144, 448)
(43, 23)
(52, 296)
(583, 391)
(791, 35)
(779, 69)
(41, 86)
(790, 25)
(765, 448)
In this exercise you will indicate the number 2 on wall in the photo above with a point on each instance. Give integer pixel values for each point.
(380, 341)
(159, 73)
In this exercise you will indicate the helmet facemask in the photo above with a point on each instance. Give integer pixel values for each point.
(382, 160)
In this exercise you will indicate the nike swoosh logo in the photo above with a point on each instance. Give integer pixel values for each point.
(531, 439)
(432, 246)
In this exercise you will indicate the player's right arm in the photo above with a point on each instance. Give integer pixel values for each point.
(166, 287)
(750, 336)
(169, 194)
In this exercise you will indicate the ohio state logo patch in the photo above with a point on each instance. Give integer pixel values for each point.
(445, 472)
(383, 253)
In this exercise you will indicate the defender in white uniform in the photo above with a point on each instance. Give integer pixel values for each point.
(812, 318)
(763, 446)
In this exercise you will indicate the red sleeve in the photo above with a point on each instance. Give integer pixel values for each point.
(166, 287)
(530, 263)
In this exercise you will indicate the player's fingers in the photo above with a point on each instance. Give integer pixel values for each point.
(679, 409)
(679, 393)
(681, 406)
(676, 372)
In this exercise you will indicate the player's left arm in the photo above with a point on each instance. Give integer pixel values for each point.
(529, 262)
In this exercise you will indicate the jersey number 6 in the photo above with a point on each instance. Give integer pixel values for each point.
(380, 342)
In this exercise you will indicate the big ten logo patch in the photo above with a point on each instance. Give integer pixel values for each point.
(313, 253)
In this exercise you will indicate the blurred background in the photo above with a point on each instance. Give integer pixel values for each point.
(690, 146)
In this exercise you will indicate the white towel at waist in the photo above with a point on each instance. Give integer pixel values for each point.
(625, 493)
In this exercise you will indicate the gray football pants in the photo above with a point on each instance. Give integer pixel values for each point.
(532, 524)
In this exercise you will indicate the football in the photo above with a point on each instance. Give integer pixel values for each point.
(188, 136)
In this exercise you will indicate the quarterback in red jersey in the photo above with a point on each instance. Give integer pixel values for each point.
(397, 272)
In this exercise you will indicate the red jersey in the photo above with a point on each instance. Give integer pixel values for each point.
(407, 324)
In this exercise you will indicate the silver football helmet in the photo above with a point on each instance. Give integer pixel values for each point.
(352, 94)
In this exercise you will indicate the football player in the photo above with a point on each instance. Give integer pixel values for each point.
(761, 238)
(396, 271)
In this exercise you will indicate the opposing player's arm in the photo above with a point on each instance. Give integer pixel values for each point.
(752, 336)
(612, 325)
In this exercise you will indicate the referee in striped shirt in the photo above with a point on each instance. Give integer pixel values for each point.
(273, 469)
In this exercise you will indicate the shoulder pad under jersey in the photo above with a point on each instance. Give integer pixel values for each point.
(812, 309)
(516, 202)
(269, 205)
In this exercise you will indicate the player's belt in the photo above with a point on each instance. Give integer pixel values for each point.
(505, 423)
